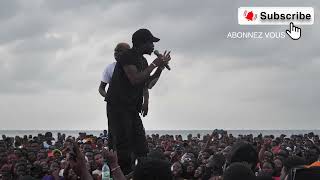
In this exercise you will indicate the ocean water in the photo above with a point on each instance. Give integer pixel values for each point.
(183, 133)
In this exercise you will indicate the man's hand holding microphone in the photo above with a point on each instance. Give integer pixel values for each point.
(162, 60)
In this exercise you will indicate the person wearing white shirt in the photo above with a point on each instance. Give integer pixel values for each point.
(108, 71)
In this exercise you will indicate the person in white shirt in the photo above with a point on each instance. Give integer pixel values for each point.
(107, 76)
(108, 71)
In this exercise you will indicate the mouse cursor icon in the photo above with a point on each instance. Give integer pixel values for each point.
(294, 32)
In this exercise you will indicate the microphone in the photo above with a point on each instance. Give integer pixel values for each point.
(156, 52)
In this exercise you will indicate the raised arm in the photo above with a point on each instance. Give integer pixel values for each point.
(136, 77)
(154, 78)
(112, 158)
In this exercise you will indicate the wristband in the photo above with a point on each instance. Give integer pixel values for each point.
(154, 64)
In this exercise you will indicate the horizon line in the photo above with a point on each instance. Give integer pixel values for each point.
(162, 129)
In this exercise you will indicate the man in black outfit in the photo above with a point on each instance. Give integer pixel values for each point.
(125, 97)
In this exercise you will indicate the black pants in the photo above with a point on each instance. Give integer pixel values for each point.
(127, 135)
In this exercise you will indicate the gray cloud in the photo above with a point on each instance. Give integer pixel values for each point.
(53, 54)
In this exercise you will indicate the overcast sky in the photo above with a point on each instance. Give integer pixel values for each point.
(52, 54)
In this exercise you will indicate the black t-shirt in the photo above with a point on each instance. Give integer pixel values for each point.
(121, 93)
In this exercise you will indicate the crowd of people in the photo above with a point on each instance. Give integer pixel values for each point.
(213, 156)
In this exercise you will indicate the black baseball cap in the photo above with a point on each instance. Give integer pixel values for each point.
(142, 36)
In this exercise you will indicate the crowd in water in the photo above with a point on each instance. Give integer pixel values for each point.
(213, 156)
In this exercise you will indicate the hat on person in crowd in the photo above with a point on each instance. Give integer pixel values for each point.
(143, 36)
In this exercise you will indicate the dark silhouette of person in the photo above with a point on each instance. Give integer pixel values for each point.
(125, 97)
